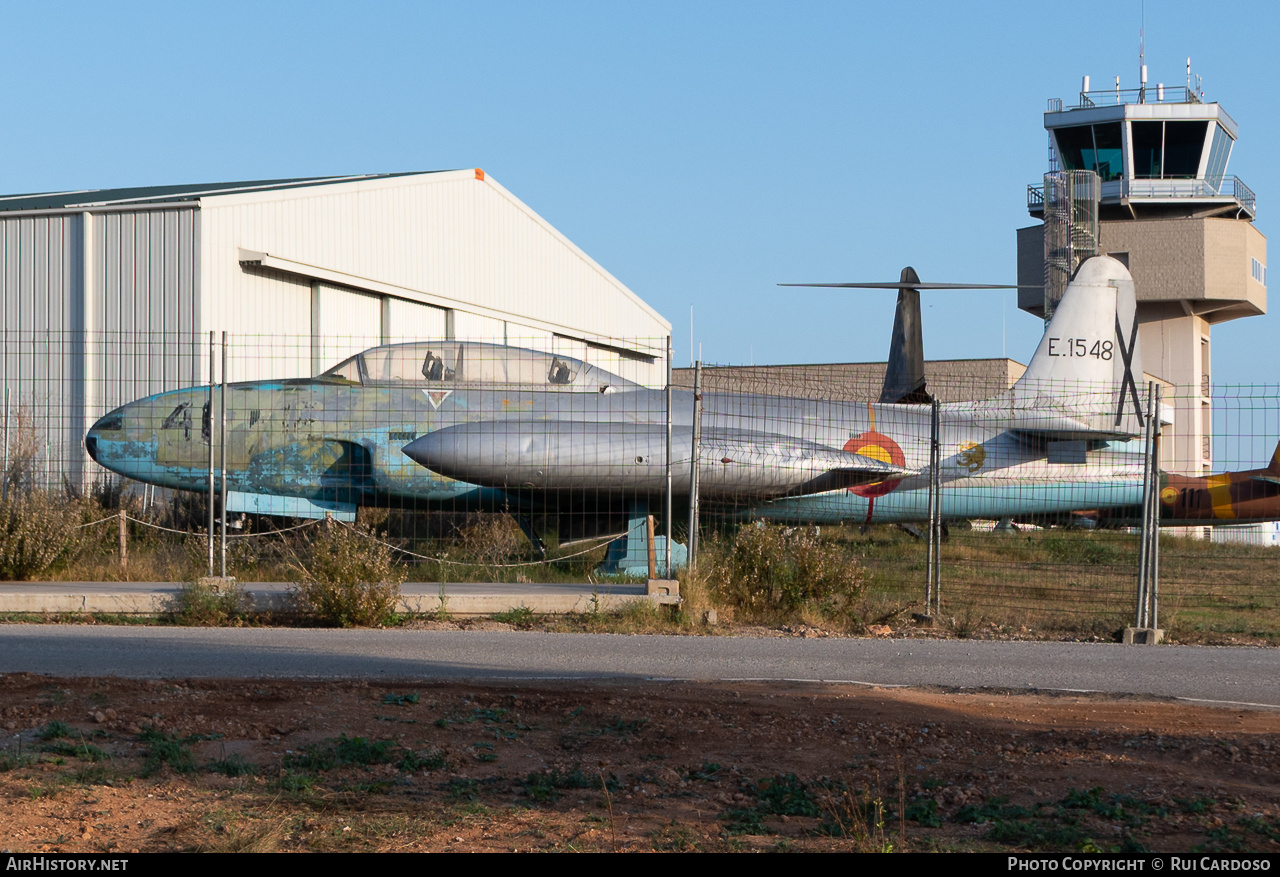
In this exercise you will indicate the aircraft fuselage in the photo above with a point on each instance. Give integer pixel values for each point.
(334, 442)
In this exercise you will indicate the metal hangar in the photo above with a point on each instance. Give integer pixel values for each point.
(109, 295)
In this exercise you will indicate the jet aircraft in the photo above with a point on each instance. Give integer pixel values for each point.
(496, 427)
(1221, 498)
(1051, 444)
(307, 447)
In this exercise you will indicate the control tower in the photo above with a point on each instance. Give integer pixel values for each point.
(1163, 203)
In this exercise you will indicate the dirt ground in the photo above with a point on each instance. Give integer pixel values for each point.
(92, 765)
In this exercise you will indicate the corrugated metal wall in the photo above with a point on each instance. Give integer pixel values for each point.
(66, 364)
(145, 312)
(41, 348)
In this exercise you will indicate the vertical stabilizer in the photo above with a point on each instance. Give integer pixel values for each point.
(1273, 468)
(904, 377)
(1088, 365)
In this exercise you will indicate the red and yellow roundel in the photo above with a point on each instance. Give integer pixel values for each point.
(1169, 495)
(877, 446)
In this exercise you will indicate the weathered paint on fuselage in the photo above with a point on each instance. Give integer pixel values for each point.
(313, 439)
(987, 471)
(330, 440)
(1250, 495)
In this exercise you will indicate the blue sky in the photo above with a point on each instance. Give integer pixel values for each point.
(701, 152)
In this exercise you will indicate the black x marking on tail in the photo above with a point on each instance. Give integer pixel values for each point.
(1128, 383)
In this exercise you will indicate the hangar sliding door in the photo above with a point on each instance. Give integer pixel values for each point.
(343, 322)
(411, 321)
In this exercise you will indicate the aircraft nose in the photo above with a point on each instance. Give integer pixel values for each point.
(113, 422)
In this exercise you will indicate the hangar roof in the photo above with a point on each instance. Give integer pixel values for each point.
(83, 198)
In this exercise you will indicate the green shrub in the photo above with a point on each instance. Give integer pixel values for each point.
(54, 730)
(166, 748)
(203, 605)
(349, 578)
(517, 616)
(37, 532)
(232, 766)
(343, 752)
(1094, 549)
(768, 572)
(548, 784)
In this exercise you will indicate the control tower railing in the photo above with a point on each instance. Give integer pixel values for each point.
(1230, 189)
(1169, 94)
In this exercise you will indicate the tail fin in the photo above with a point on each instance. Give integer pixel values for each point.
(904, 377)
(1271, 473)
(1088, 364)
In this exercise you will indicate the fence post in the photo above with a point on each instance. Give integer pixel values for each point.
(933, 559)
(1145, 617)
(124, 540)
(1144, 545)
(222, 442)
(211, 491)
(649, 537)
(693, 465)
(667, 552)
(1155, 506)
(4, 474)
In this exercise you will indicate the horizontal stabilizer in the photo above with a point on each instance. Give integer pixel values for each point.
(911, 284)
(1271, 474)
(904, 381)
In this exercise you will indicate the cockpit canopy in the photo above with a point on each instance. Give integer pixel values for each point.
(449, 363)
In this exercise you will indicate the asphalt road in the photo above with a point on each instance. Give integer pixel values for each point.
(1225, 675)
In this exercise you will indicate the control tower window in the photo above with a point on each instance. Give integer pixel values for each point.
(1148, 150)
(1219, 153)
(1110, 151)
(1183, 143)
(1171, 150)
(1095, 148)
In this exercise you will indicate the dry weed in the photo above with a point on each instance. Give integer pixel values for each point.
(490, 540)
(349, 578)
(37, 531)
(770, 574)
(23, 446)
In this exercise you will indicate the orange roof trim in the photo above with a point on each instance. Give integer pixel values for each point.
(479, 174)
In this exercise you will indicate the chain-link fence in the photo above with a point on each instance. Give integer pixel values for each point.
(552, 460)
